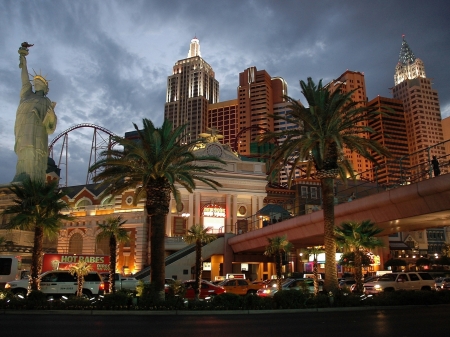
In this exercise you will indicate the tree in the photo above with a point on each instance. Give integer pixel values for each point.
(81, 269)
(199, 236)
(278, 245)
(331, 123)
(37, 206)
(315, 251)
(113, 230)
(423, 261)
(152, 165)
(358, 237)
(395, 263)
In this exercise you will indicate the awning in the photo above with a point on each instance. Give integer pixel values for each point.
(274, 210)
(399, 246)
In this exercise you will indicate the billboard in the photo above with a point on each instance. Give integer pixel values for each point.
(99, 263)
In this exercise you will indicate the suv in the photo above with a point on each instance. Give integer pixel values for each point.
(400, 281)
(61, 282)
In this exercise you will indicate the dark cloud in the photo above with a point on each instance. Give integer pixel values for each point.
(109, 61)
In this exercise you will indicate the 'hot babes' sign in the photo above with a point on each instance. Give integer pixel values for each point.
(99, 263)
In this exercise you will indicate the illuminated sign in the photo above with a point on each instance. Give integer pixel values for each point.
(213, 210)
(206, 265)
(99, 263)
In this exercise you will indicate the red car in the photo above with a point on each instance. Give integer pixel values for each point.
(207, 290)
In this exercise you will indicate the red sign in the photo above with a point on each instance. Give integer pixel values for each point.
(99, 263)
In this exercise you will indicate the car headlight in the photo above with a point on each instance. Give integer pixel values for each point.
(7, 285)
(377, 286)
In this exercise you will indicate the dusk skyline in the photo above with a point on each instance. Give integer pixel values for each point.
(108, 62)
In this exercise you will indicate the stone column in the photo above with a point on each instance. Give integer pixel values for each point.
(234, 213)
(228, 215)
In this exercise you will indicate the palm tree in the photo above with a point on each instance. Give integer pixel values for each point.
(37, 206)
(113, 230)
(81, 269)
(358, 237)
(152, 166)
(331, 123)
(278, 245)
(199, 236)
(315, 251)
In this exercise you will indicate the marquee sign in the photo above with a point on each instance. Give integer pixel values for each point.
(213, 210)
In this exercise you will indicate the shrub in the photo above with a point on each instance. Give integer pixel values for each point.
(227, 301)
(252, 302)
(118, 300)
(290, 299)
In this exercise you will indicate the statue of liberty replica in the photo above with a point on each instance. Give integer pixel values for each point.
(35, 120)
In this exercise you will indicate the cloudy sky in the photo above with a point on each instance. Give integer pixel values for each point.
(108, 61)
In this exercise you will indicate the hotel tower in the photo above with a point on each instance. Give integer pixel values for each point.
(190, 89)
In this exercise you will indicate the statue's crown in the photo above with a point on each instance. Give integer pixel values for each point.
(41, 78)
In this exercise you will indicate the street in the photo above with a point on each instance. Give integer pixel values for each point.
(398, 322)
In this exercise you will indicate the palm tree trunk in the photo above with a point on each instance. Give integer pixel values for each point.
(36, 259)
(80, 281)
(112, 263)
(331, 282)
(278, 263)
(198, 269)
(316, 276)
(358, 271)
(158, 200)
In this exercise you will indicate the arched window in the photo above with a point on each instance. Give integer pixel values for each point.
(76, 244)
(102, 246)
(83, 202)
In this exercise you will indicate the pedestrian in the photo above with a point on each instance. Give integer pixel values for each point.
(435, 165)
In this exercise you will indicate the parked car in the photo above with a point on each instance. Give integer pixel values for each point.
(445, 284)
(121, 282)
(438, 283)
(291, 284)
(368, 279)
(400, 281)
(347, 283)
(240, 287)
(61, 282)
(207, 289)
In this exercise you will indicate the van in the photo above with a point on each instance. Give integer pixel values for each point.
(9, 269)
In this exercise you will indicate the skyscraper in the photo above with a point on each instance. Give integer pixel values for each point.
(190, 89)
(257, 94)
(348, 81)
(390, 130)
(421, 105)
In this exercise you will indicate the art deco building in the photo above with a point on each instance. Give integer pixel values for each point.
(190, 89)
(422, 110)
(348, 81)
(390, 130)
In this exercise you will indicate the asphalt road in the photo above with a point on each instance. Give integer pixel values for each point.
(399, 322)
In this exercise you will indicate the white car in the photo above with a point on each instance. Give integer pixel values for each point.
(59, 283)
(400, 281)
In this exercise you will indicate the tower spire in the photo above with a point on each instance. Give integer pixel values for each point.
(194, 48)
(406, 55)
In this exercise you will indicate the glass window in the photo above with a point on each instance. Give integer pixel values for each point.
(5, 265)
(414, 277)
(76, 244)
(304, 191)
(314, 193)
(102, 246)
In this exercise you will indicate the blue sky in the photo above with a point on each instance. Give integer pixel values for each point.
(108, 61)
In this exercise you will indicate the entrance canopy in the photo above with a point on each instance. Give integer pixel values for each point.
(272, 210)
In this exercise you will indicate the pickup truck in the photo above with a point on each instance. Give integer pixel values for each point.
(121, 282)
(240, 286)
(400, 281)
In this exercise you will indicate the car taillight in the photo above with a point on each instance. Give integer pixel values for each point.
(102, 286)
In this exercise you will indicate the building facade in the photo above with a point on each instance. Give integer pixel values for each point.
(190, 88)
(390, 131)
(422, 109)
